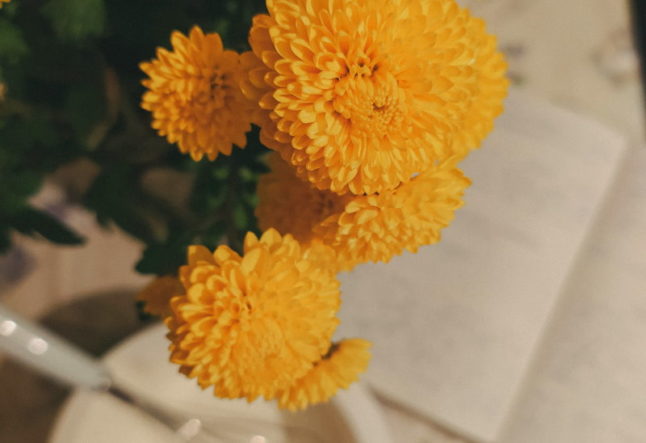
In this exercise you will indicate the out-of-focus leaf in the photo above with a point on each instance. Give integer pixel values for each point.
(257, 166)
(12, 44)
(32, 221)
(5, 239)
(19, 134)
(75, 20)
(164, 258)
(222, 26)
(213, 235)
(15, 188)
(85, 107)
(250, 198)
(32, 145)
(220, 172)
(209, 191)
(41, 130)
(247, 175)
(240, 216)
(114, 197)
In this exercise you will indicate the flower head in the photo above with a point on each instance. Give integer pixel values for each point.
(361, 95)
(281, 192)
(367, 227)
(194, 96)
(337, 370)
(250, 325)
(3, 1)
(378, 227)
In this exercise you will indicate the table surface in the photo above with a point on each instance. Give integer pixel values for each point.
(577, 54)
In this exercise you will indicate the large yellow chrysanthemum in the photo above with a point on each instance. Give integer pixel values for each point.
(338, 370)
(361, 95)
(194, 95)
(251, 325)
(363, 228)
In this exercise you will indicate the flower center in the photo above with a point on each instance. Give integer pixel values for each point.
(370, 100)
(217, 89)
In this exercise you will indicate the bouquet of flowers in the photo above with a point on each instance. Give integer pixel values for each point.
(330, 137)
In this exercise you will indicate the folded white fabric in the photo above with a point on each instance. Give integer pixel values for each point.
(456, 325)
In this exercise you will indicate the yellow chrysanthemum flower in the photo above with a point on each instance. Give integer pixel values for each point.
(378, 227)
(363, 228)
(361, 95)
(251, 325)
(338, 370)
(156, 295)
(281, 192)
(194, 95)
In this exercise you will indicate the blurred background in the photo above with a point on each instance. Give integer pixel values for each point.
(80, 167)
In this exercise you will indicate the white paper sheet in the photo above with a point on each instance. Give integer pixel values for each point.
(588, 383)
(454, 326)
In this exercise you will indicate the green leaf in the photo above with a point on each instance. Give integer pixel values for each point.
(209, 191)
(22, 135)
(31, 146)
(212, 237)
(221, 25)
(76, 20)
(114, 196)
(240, 217)
(221, 172)
(32, 221)
(42, 130)
(12, 44)
(85, 106)
(251, 199)
(15, 187)
(257, 166)
(5, 239)
(163, 258)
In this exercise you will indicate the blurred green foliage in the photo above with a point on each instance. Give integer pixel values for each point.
(72, 86)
